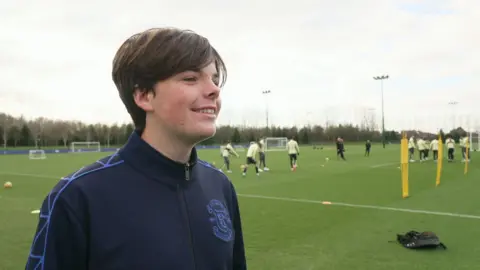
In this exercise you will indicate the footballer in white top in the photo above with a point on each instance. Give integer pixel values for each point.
(411, 148)
(450, 143)
(261, 153)
(463, 144)
(421, 149)
(293, 152)
(226, 152)
(251, 154)
(434, 146)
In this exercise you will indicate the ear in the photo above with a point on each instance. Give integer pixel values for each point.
(144, 99)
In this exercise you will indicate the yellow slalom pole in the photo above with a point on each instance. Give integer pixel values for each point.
(404, 164)
(439, 160)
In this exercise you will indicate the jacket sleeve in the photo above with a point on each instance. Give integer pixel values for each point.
(239, 260)
(60, 239)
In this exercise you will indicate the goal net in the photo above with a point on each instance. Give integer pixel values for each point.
(239, 148)
(475, 141)
(37, 154)
(276, 144)
(81, 147)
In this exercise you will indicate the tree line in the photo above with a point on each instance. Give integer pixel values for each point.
(43, 132)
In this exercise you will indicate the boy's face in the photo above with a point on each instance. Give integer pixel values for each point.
(187, 104)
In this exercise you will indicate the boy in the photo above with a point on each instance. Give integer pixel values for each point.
(154, 204)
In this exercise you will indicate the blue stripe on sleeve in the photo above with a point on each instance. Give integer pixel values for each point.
(39, 246)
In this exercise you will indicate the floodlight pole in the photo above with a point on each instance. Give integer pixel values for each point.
(309, 115)
(381, 78)
(453, 104)
(266, 92)
(371, 118)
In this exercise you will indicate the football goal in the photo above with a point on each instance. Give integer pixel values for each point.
(475, 141)
(81, 147)
(276, 144)
(239, 148)
(37, 154)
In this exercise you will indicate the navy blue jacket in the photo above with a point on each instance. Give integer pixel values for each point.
(138, 210)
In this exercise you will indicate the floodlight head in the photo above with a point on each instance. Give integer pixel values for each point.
(383, 77)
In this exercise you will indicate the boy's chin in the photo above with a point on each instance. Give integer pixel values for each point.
(203, 132)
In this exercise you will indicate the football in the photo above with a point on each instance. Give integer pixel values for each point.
(7, 185)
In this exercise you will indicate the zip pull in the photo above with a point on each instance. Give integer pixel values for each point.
(187, 172)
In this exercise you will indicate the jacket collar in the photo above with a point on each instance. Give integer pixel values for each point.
(143, 157)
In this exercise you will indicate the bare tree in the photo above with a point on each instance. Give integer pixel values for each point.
(116, 133)
(6, 121)
(365, 122)
(36, 127)
(82, 131)
(65, 130)
(372, 122)
(14, 131)
(107, 132)
(50, 136)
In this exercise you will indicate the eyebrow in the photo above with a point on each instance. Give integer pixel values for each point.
(215, 75)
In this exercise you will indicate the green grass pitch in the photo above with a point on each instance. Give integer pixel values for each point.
(285, 224)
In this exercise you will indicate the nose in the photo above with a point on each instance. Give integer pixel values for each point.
(212, 90)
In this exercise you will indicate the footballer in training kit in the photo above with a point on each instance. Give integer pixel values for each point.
(226, 152)
(153, 204)
(450, 143)
(434, 148)
(463, 143)
(261, 154)
(250, 160)
(368, 146)
(421, 145)
(293, 153)
(340, 148)
(411, 148)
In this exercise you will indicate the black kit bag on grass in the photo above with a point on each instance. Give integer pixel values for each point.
(417, 240)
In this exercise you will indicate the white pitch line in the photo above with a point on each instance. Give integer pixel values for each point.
(425, 212)
(385, 164)
(31, 175)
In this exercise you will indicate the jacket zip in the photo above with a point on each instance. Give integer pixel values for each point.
(183, 202)
(187, 172)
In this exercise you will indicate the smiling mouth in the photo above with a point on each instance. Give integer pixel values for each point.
(205, 111)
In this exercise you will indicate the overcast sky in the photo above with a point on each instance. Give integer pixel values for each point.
(317, 57)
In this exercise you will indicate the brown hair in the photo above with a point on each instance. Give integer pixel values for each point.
(155, 55)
